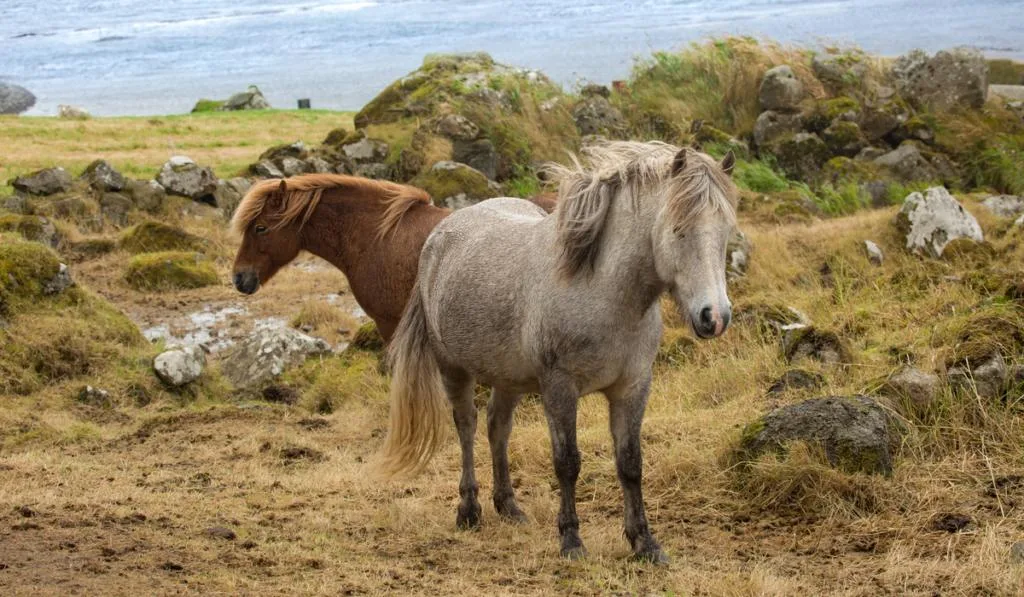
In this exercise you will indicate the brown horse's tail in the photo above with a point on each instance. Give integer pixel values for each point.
(420, 412)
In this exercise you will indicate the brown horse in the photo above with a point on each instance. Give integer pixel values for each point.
(371, 230)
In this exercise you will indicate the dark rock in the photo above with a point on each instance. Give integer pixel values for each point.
(844, 138)
(181, 176)
(16, 204)
(115, 207)
(808, 342)
(796, 379)
(103, 177)
(950, 522)
(93, 397)
(375, 170)
(855, 432)
(876, 124)
(148, 195)
(771, 125)
(479, 154)
(250, 99)
(221, 533)
(15, 99)
(229, 194)
(47, 181)
(595, 90)
(801, 156)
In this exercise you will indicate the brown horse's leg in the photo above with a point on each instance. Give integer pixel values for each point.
(560, 400)
(626, 409)
(459, 386)
(499, 426)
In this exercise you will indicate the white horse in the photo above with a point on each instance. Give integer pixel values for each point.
(563, 305)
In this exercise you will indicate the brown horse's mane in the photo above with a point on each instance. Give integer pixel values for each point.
(303, 193)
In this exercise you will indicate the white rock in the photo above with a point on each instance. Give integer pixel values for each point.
(268, 353)
(1005, 206)
(933, 219)
(180, 366)
(875, 255)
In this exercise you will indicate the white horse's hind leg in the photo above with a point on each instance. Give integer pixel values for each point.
(460, 386)
(499, 427)
(626, 407)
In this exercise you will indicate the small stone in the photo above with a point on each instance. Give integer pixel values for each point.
(60, 282)
(266, 169)
(988, 380)
(920, 388)
(796, 379)
(70, 112)
(180, 366)
(737, 253)
(93, 396)
(1017, 552)
(874, 253)
(182, 176)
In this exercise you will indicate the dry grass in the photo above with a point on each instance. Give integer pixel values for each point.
(117, 499)
(138, 146)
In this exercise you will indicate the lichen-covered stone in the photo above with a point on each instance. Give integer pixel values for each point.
(181, 176)
(821, 345)
(595, 115)
(920, 389)
(34, 228)
(771, 125)
(101, 176)
(930, 220)
(1004, 206)
(148, 195)
(856, 434)
(446, 180)
(844, 138)
(907, 163)
(956, 77)
(114, 207)
(268, 353)
(180, 366)
(801, 156)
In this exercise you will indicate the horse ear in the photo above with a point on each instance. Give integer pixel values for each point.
(679, 162)
(728, 162)
(276, 199)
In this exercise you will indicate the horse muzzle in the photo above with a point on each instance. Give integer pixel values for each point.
(711, 322)
(246, 282)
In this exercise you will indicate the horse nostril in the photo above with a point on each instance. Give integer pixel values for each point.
(707, 320)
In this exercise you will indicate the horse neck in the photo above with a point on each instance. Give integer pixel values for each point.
(341, 231)
(626, 259)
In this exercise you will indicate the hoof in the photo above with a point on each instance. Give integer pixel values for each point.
(468, 518)
(513, 515)
(574, 553)
(655, 556)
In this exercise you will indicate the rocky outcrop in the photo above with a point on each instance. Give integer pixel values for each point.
(181, 176)
(856, 434)
(780, 90)
(15, 99)
(929, 221)
(115, 207)
(180, 366)
(48, 181)
(250, 99)
(268, 353)
(952, 78)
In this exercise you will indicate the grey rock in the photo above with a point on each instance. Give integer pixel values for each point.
(737, 254)
(103, 177)
(837, 71)
(844, 138)
(375, 170)
(919, 388)
(595, 115)
(929, 221)
(771, 125)
(180, 366)
(48, 181)
(318, 165)
(908, 164)
(1005, 206)
(456, 127)
(293, 166)
(46, 233)
(951, 78)
(16, 204)
(780, 90)
(870, 154)
(366, 150)
(479, 154)
(876, 124)
(989, 379)
(288, 150)
(115, 207)
(181, 176)
(148, 195)
(229, 194)
(250, 99)
(268, 353)
(875, 255)
(15, 99)
(1019, 222)
(855, 432)
(266, 169)
(60, 282)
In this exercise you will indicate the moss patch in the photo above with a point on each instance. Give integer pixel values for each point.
(170, 270)
(151, 237)
(448, 179)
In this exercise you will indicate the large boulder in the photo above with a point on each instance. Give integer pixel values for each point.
(180, 366)
(951, 78)
(230, 192)
(1005, 206)
(780, 90)
(844, 138)
(856, 434)
(930, 220)
(479, 154)
(47, 181)
(907, 163)
(268, 353)
(455, 185)
(595, 115)
(103, 177)
(181, 176)
(771, 125)
(15, 99)
(250, 99)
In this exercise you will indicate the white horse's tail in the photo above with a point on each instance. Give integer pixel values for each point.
(420, 411)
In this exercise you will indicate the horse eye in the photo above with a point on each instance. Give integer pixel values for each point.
(260, 229)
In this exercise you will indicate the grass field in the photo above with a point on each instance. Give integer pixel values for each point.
(209, 491)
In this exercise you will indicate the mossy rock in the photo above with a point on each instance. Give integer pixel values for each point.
(801, 156)
(152, 237)
(842, 169)
(769, 320)
(207, 105)
(34, 228)
(824, 112)
(448, 180)
(25, 268)
(92, 248)
(989, 330)
(368, 338)
(969, 252)
(824, 346)
(844, 138)
(170, 270)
